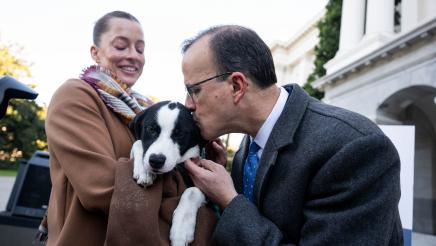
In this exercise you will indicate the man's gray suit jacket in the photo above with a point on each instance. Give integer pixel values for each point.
(327, 176)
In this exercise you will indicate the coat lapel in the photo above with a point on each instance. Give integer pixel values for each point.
(282, 135)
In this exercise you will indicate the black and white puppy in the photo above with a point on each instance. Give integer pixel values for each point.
(167, 135)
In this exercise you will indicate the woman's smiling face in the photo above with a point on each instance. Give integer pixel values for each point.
(121, 50)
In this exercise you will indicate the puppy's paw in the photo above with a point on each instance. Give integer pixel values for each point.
(185, 216)
(139, 173)
(181, 236)
(145, 179)
(138, 179)
(183, 226)
(136, 152)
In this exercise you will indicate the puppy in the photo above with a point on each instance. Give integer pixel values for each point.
(167, 135)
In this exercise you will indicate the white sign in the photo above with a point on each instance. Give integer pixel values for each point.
(403, 138)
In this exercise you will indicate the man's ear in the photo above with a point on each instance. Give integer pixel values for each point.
(239, 84)
(94, 53)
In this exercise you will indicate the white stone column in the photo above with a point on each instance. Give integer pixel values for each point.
(379, 17)
(352, 24)
(409, 14)
(428, 10)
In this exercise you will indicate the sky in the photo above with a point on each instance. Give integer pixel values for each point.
(56, 35)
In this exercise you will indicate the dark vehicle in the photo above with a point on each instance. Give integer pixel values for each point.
(12, 88)
(29, 196)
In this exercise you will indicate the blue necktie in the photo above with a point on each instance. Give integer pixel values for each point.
(250, 168)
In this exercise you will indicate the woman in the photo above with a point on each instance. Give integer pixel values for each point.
(88, 138)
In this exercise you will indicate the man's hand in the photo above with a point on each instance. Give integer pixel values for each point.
(216, 152)
(213, 180)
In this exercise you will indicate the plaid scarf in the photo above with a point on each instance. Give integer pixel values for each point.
(123, 101)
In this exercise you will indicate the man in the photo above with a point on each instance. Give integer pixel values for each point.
(320, 175)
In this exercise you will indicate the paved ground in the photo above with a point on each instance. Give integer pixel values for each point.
(6, 184)
(419, 239)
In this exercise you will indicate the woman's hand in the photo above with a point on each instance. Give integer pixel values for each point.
(216, 152)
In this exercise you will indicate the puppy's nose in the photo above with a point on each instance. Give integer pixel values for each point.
(156, 160)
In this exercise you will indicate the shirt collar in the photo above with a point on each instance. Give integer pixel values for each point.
(266, 128)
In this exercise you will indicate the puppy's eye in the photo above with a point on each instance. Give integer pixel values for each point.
(177, 133)
(152, 131)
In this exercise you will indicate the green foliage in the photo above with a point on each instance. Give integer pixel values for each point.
(329, 29)
(22, 129)
(8, 173)
(21, 132)
(10, 64)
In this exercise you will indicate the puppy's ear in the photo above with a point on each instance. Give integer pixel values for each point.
(135, 125)
(199, 139)
(131, 126)
(202, 142)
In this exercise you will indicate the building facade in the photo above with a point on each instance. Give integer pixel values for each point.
(294, 59)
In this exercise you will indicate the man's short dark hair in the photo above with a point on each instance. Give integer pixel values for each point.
(238, 48)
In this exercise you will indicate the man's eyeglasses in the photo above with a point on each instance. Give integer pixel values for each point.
(194, 89)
